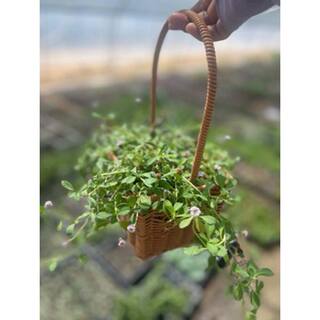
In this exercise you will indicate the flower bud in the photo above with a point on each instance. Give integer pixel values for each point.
(48, 204)
(195, 211)
(131, 228)
(121, 242)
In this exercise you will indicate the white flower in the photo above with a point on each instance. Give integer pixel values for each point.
(121, 242)
(137, 100)
(201, 174)
(131, 228)
(48, 204)
(217, 167)
(245, 233)
(195, 211)
(227, 137)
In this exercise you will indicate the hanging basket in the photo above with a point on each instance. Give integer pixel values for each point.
(154, 233)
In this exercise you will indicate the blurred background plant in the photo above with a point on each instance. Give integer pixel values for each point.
(95, 59)
(152, 299)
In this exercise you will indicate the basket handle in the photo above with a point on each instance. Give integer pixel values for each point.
(211, 84)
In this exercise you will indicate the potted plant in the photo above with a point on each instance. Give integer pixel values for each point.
(164, 195)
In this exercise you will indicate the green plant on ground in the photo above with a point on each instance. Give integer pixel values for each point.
(255, 214)
(151, 299)
(194, 269)
(131, 172)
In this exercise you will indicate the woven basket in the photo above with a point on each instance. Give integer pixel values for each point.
(154, 233)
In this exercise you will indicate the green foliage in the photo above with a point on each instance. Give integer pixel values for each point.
(258, 216)
(185, 261)
(53, 264)
(132, 172)
(247, 283)
(151, 299)
(56, 164)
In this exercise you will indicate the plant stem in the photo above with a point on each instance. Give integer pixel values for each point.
(191, 184)
(77, 233)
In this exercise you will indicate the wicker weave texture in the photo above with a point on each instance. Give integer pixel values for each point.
(155, 235)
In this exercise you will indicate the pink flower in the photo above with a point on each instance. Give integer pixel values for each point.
(121, 242)
(131, 228)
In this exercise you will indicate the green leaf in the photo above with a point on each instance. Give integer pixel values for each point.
(103, 215)
(193, 250)
(177, 206)
(124, 211)
(221, 180)
(265, 272)
(237, 292)
(53, 265)
(131, 201)
(83, 259)
(147, 174)
(168, 207)
(250, 315)
(66, 184)
(213, 248)
(59, 226)
(259, 285)
(209, 230)
(145, 200)
(188, 195)
(185, 223)
(211, 262)
(151, 161)
(149, 182)
(70, 229)
(112, 184)
(252, 268)
(255, 299)
(222, 252)
(238, 270)
(209, 219)
(128, 180)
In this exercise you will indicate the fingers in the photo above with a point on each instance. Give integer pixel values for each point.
(193, 30)
(178, 21)
(206, 9)
(217, 31)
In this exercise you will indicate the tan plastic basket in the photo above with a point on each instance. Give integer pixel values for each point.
(154, 233)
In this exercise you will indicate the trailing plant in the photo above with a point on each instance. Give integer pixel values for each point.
(130, 172)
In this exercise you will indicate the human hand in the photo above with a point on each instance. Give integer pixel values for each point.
(221, 16)
(208, 10)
